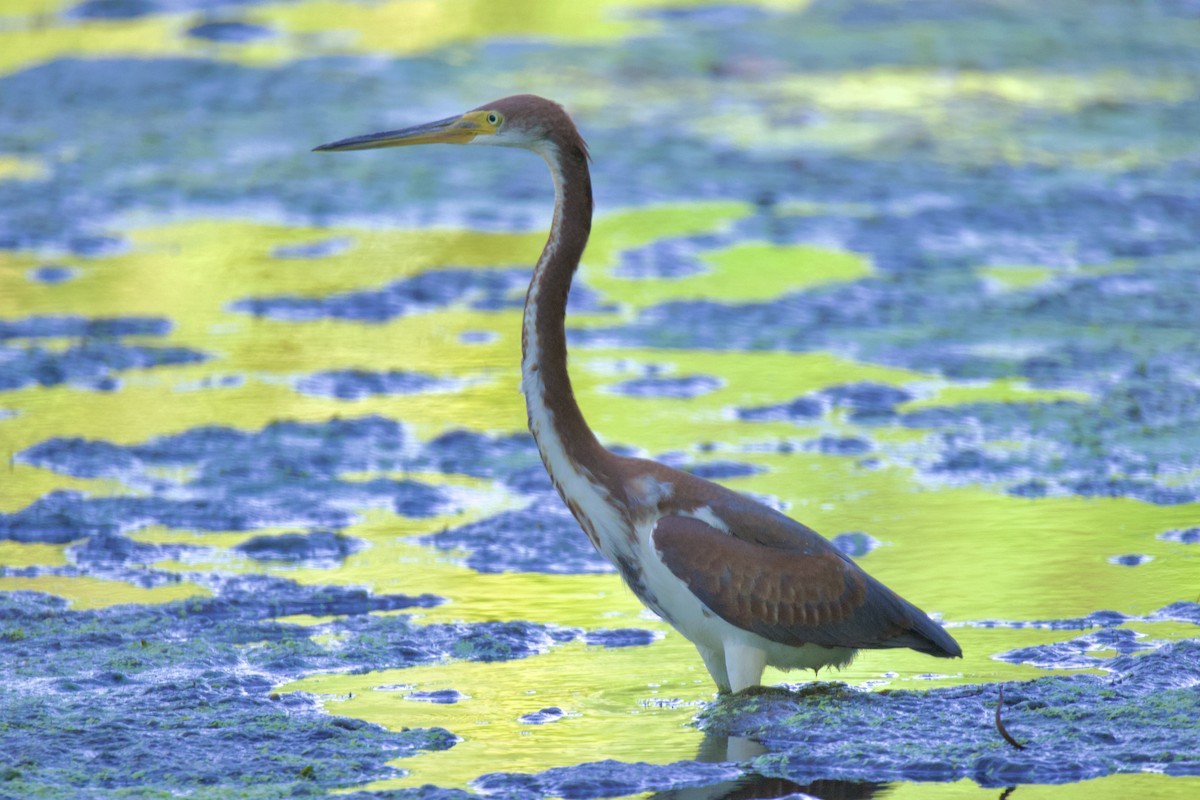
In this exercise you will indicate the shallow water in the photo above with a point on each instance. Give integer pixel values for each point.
(922, 275)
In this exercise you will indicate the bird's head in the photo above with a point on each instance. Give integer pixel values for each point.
(525, 120)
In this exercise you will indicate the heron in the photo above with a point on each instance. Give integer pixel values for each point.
(747, 585)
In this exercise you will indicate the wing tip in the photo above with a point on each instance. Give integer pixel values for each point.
(932, 639)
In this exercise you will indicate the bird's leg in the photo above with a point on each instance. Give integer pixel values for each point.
(744, 664)
(714, 662)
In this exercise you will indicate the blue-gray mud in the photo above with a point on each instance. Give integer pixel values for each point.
(353, 384)
(684, 386)
(287, 473)
(201, 672)
(1106, 202)
(1139, 717)
(484, 290)
(94, 358)
(180, 697)
(314, 547)
(83, 688)
(829, 740)
(215, 478)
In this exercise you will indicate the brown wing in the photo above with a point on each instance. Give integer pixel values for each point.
(799, 589)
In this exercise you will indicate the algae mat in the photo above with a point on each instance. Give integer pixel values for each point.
(924, 275)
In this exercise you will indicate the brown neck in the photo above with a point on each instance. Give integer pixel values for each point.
(554, 416)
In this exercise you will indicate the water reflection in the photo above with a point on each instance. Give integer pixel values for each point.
(752, 786)
(759, 787)
(717, 748)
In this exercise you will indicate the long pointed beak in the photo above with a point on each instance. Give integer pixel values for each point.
(453, 130)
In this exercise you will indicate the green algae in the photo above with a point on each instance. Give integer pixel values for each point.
(1016, 277)
(13, 168)
(84, 592)
(311, 27)
(500, 694)
(985, 90)
(830, 492)
(776, 270)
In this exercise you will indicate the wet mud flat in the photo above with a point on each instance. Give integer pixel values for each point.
(1019, 188)
(1136, 718)
(134, 700)
(181, 698)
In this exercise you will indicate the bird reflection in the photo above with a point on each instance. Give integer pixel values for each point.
(724, 749)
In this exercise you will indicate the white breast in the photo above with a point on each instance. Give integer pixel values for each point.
(682, 609)
(588, 497)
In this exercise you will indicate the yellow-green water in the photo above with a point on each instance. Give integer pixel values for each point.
(964, 552)
(967, 553)
(31, 34)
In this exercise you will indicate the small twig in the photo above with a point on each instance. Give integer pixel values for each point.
(1007, 792)
(1000, 723)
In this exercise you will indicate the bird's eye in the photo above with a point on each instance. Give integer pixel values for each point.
(493, 118)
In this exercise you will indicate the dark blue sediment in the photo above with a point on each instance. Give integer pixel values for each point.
(481, 289)
(286, 474)
(1132, 440)
(108, 550)
(355, 384)
(291, 474)
(41, 327)
(200, 675)
(665, 258)
(318, 249)
(1181, 611)
(298, 449)
(512, 459)
(543, 716)
(93, 365)
(128, 9)
(1082, 651)
(1107, 203)
(1139, 717)
(605, 779)
(438, 697)
(230, 32)
(802, 408)
(683, 386)
(51, 274)
(1127, 442)
(855, 544)
(864, 402)
(620, 637)
(1181, 535)
(839, 445)
(522, 541)
(230, 505)
(320, 548)
(93, 361)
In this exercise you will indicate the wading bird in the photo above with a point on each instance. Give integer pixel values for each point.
(746, 584)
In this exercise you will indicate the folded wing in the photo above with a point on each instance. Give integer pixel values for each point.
(791, 586)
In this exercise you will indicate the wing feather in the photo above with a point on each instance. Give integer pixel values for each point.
(789, 585)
